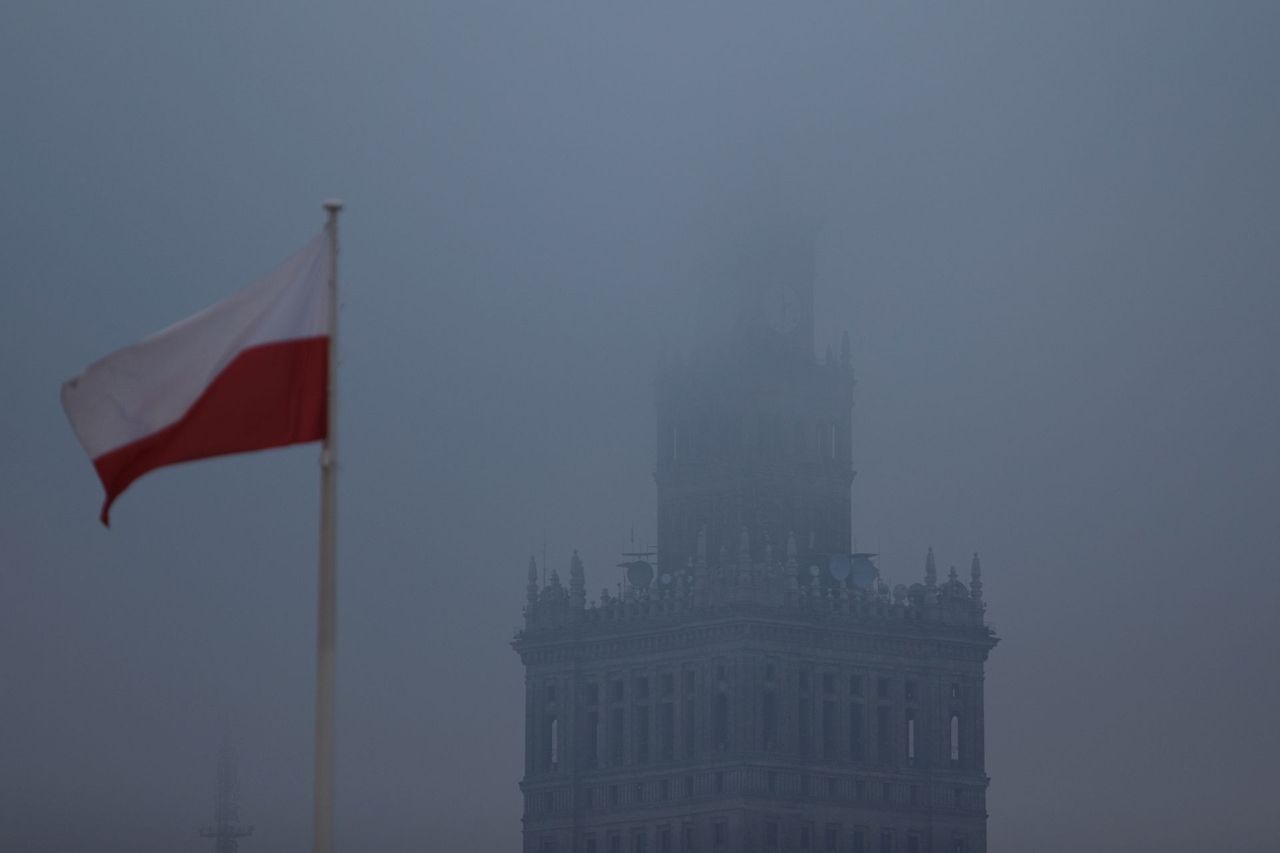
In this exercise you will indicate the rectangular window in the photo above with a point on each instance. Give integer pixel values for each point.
(769, 720)
(855, 685)
(831, 838)
(909, 691)
(592, 738)
(806, 837)
(593, 694)
(613, 795)
(858, 841)
(667, 731)
(664, 789)
(688, 683)
(690, 839)
(615, 690)
(641, 715)
(642, 688)
(857, 725)
(913, 843)
(551, 697)
(911, 735)
(664, 839)
(639, 841)
(617, 736)
(804, 680)
(668, 684)
(803, 726)
(548, 846)
(829, 729)
(884, 735)
(882, 687)
(886, 841)
(859, 790)
(828, 682)
(771, 835)
(615, 843)
(591, 844)
(719, 834)
(690, 730)
(719, 781)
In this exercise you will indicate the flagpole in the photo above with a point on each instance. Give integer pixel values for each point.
(326, 629)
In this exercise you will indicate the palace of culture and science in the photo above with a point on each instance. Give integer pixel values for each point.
(756, 686)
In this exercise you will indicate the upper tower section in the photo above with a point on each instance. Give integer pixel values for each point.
(754, 432)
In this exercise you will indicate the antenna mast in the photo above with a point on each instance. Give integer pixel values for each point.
(226, 829)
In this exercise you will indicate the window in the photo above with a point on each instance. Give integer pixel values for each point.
(955, 738)
(882, 687)
(639, 841)
(769, 673)
(803, 726)
(721, 673)
(955, 690)
(592, 744)
(769, 720)
(832, 787)
(804, 785)
(771, 835)
(886, 841)
(806, 837)
(771, 782)
(667, 731)
(613, 795)
(617, 736)
(551, 693)
(555, 743)
(915, 795)
(858, 841)
(548, 845)
(615, 690)
(664, 839)
(688, 786)
(911, 735)
(831, 838)
(591, 844)
(829, 729)
(642, 688)
(804, 680)
(828, 682)
(688, 683)
(690, 838)
(664, 789)
(855, 685)
(857, 725)
(615, 843)
(641, 717)
(722, 721)
(639, 792)
(719, 834)
(909, 689)
(886, 792)
(913, 843)
(593, 694)
(958, 846)
(719, 781)
(859, 790)
(668, 684)
(690, 730)
(884, 736)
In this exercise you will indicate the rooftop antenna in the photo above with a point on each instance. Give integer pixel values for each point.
(226, 829)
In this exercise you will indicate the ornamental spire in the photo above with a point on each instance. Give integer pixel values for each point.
(531, 588)
(975, 578)
(930, 570)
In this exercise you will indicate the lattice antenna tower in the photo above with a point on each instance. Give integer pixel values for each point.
(226, 829)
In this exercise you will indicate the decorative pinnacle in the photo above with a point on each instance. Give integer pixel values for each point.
(791, 550)
(975, 577)
(930, 570)
(846, 352)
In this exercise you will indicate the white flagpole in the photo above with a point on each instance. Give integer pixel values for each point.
(326, 630)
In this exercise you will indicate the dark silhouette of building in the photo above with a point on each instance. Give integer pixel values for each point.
(756, 687)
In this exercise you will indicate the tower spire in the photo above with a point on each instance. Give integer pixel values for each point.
(930, 570)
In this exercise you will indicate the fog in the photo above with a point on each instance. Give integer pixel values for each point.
(1053, 236)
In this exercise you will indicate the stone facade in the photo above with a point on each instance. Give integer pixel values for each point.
(757, 690)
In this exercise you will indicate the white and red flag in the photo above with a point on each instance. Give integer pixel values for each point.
(249, 373)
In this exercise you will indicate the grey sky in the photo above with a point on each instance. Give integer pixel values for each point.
(1053, 236)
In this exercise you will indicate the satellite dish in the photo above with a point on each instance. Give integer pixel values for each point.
(839, 567)
(639, 573)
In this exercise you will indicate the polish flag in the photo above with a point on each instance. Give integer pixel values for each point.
(249, 373)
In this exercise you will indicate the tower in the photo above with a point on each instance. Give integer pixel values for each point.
(226, 829)
(763, 689)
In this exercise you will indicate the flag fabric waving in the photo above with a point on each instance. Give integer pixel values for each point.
(246, 374)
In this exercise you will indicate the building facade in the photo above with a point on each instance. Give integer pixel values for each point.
(756, 687)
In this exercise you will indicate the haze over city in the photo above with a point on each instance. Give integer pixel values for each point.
(1052, 236)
